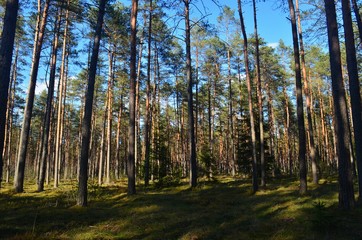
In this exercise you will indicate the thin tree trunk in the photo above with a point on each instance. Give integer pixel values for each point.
(109, 116)
(86, 126)
(312, 148)
(354, 87)
(273, 151)
(260, 100)
(193, 164)
(210, 127)
(148, 96)
(287, 132)
(9, 115)
(118, 157)
(233, 152)
(24, 138)
(102, 147)
(250, 101)
(300, 113)
(133, 76)
(138, 149)
(49, 105)
(60, 115)
(6, 55)
(346, 193)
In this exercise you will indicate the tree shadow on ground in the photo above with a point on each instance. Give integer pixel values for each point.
(223, 209)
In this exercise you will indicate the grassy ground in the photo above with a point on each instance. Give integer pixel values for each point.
(220, 209)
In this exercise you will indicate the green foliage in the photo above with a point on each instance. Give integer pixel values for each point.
(320, 205)
(206, 161)
(168, 181)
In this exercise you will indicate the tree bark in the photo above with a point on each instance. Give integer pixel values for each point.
(346, 193)
(60, 115)
(260, 100)
(24, 137)
(102, 147)
(300, 113)
(313, 153)
(118, 139)
(86, 127)
(6, 55)
(132, 95)
(193, 163)
(148, 96)
(354, 87)
(109, 115)
(233, 152)
(49, 105)
(250, 101)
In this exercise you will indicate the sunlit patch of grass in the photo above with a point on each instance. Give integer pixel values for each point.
(222, 208)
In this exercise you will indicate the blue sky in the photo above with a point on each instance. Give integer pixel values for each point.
(273, 24)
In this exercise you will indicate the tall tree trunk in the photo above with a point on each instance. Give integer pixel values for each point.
(86, 126)
(109, 115)
(24, 138)
(300, 113)
(287, 155)
(312, 148)
(260, 99)
(193, 164)
(118, 139)
(345, 177)
(250, 101)
(60, 115)
(102, 147)
(354, 87)
(6, 56)
(273, 151)
(132, 95)
(49, 105)
(138, 148)
(148, 96)
(9, 116)
(197, 94)
(233, 152)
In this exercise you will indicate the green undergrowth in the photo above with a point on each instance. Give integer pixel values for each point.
(223, 208)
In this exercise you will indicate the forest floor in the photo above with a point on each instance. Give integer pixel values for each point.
(220, 209)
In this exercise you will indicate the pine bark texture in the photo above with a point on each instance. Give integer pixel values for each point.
(24, 137)
(88, 107)
(312, 146)
(49, 106)
(6, 55)
(250, 101)
(193, 163)
(131, 170)
(354, 87)
(345, 178)
(300, 111)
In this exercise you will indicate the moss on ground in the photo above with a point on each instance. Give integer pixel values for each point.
(220, 209)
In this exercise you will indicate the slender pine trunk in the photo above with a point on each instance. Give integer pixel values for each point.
(354, 87)
(191, 120)
(132, 95)
(345, 177)
(300, 111)
(86, 124)
(24, 138)
(250, 101)
(49, 105)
